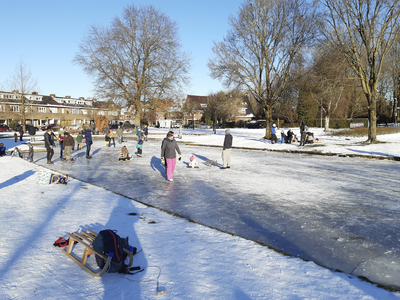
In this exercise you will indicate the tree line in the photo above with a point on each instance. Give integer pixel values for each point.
(292, 57)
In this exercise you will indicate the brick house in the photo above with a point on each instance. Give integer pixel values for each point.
(41, 110)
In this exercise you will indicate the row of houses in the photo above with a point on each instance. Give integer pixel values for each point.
(40, 110)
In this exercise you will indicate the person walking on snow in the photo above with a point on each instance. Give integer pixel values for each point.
(168, 148)
(226, 150)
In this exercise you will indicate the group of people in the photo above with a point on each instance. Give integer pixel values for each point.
(290, 137)
(169, 148)
(67, 143)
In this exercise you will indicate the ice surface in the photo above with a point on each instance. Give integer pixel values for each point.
(338, 212)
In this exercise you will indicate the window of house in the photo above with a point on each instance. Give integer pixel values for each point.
(53, 110)
(75, 111)
(101, 113)
(15, 108)
(41, 109)
(62, 110)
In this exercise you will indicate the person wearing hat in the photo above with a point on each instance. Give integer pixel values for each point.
(226, 150)
(274, 139)
(193, 163)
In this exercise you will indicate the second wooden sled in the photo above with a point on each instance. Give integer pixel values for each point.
(86, 238)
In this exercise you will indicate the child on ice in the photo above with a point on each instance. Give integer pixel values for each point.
(16, 153)
(193, 163)
(79, 138)
(124, 154)
(30, 151)
(139, 147)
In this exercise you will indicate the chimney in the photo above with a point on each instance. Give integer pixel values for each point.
(53, 95)
(82, 98)
(68, 97)
(35, 93)
(15, 91)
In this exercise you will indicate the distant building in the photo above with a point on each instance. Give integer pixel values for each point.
(42, 110)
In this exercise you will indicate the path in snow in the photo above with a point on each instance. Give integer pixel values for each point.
(342, 213)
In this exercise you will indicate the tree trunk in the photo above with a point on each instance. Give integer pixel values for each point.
(372, 121)
(137, 113)
(268, 122)
(215, 126)
(326, 123)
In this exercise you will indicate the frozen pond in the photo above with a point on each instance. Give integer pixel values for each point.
(342, 213)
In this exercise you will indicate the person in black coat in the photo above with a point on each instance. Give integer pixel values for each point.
(89, 142)
(32, 132)
(49, 145)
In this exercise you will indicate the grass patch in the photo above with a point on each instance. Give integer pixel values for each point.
(360, 132)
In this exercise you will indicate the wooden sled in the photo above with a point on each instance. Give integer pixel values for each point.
(211, 163)
(123, 157)
(86, 238)
(58, 179)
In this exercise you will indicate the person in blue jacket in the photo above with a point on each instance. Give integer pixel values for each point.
(89, 142)
(274, 139)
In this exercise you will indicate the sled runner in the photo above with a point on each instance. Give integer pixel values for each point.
(86, 238)
(211, 163)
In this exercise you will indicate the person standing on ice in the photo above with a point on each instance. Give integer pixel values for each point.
(120, 132)
(49, 145)
(89, 142)
(274, 139)
(168, 148)
(69, 143)
(226, 150)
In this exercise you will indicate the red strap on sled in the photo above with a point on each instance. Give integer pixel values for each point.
(115, 243)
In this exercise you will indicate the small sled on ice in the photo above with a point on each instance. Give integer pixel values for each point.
(86, 239)
(211, 163)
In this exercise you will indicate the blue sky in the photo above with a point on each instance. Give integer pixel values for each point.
(45, 35)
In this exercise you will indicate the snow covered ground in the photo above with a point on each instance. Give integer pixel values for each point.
(196, 262)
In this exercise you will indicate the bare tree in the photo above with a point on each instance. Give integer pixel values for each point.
(138, 58)
(22, 83)
(189, 108)
(364, 31)
(330, 75)
(222, 106)
(261, 47)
